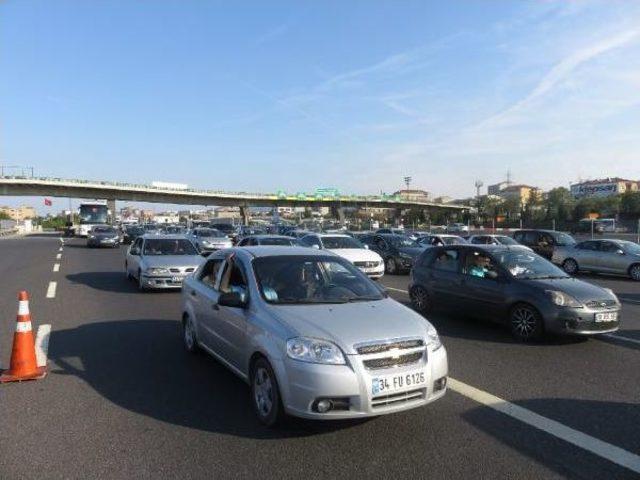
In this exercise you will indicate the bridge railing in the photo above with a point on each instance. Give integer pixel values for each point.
(374, 199)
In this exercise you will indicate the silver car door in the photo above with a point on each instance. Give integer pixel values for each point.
(588, 256)
(204, 298)
(231, 323)
(610, 260)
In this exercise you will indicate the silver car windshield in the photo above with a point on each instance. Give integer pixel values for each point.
(305, 279)
(207, 233)
(630, 247)
(528, 265)
(504, 240)
(166, 246)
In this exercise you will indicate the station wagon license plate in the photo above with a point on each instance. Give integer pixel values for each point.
(388, 384)
(176, 279)
(606, 317)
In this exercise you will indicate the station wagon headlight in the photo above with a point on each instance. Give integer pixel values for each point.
(157, 271)
(562, 299)
(313, 350)
(433, 339)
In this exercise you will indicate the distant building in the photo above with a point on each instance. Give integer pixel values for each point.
(522, 192)
(20, 213)
(413, 195)
(604, 187)
(443, 199)
(226, 212)
(497, 188)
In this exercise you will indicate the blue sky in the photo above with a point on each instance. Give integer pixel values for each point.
(260, 96)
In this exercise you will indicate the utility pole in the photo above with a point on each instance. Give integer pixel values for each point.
(407, 181)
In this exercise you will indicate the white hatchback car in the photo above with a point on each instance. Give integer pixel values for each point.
(348, 248)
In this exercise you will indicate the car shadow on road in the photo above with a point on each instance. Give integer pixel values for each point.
(612, 422)
(451, 324)
(106, 281)
(142, 366)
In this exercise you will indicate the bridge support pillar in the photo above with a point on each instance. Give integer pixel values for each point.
(111, 206)
(338, 212)
(244, 215)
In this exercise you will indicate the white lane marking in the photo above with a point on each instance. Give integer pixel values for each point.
(397, 290)
(60, 249)
(61, 240)
(42, 344)
(51, 290)
(602, 449)
(59, 256)
(621, 337)
(56, 267)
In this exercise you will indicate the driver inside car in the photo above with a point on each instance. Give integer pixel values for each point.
(480, 265)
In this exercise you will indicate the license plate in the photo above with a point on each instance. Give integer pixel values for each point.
(606, 317)
(394, 383)
(176, 279)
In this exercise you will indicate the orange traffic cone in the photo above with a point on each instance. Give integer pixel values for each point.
(23, 365)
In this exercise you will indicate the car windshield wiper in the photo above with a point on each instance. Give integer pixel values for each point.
(365, 299)
(546, 277)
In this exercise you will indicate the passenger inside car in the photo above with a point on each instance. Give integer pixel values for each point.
(479, 265)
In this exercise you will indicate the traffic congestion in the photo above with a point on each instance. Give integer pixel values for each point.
(239, 286)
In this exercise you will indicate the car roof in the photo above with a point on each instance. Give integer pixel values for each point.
(172, 236)
(323, 235)
(279, 251)
(266, 235)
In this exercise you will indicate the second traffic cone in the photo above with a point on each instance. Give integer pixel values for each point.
(23, 365)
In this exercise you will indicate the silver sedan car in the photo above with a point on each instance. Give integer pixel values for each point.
(161, 261)
(311, 335)
(602, 256)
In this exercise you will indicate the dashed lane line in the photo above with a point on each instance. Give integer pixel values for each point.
(51, 290)
(42, 344)
(56, 267)
(60, 249)
(59, 256)
(602, 449)
(397, 290)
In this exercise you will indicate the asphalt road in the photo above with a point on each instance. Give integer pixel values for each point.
(123, 400)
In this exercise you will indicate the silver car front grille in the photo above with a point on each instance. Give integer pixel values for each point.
(371, 264)
(182, 270)
(375, 347)
(391, 353)
(388, 362)
(396, 398)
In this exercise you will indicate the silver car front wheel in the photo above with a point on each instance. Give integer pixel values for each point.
(189, 336)
(265, 394)
(570, 266)
(634, 272)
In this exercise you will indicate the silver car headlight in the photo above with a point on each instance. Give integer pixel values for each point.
(612, 293)
(433, 339)
(562, 299)
(313, 350)
(156, 271)
(92, 236)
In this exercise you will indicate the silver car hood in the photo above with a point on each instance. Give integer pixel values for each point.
(348, 324)
(172, 260)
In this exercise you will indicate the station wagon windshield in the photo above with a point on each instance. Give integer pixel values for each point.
(563, 240)
(303, 280)
(630, 247)
(167, 246)
(527, 265)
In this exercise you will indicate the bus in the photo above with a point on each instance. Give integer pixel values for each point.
(92, 214)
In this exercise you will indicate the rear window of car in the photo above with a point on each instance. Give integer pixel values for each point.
(446, 260)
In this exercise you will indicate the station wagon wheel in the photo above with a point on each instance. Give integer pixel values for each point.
(141, 286)
(634, 272)
(265, 394)
(570, 266)
(526, 323)
(189, 335)
(391, 267)
(420, 299)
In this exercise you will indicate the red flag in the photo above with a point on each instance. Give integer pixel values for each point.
(47, 202)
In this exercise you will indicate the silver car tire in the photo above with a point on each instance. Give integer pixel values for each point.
(127, 272)
(189, 338)
(570, 266)
(390, 266)
(526, 323)
(634, 272)
(141, 286)
(265, 395)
